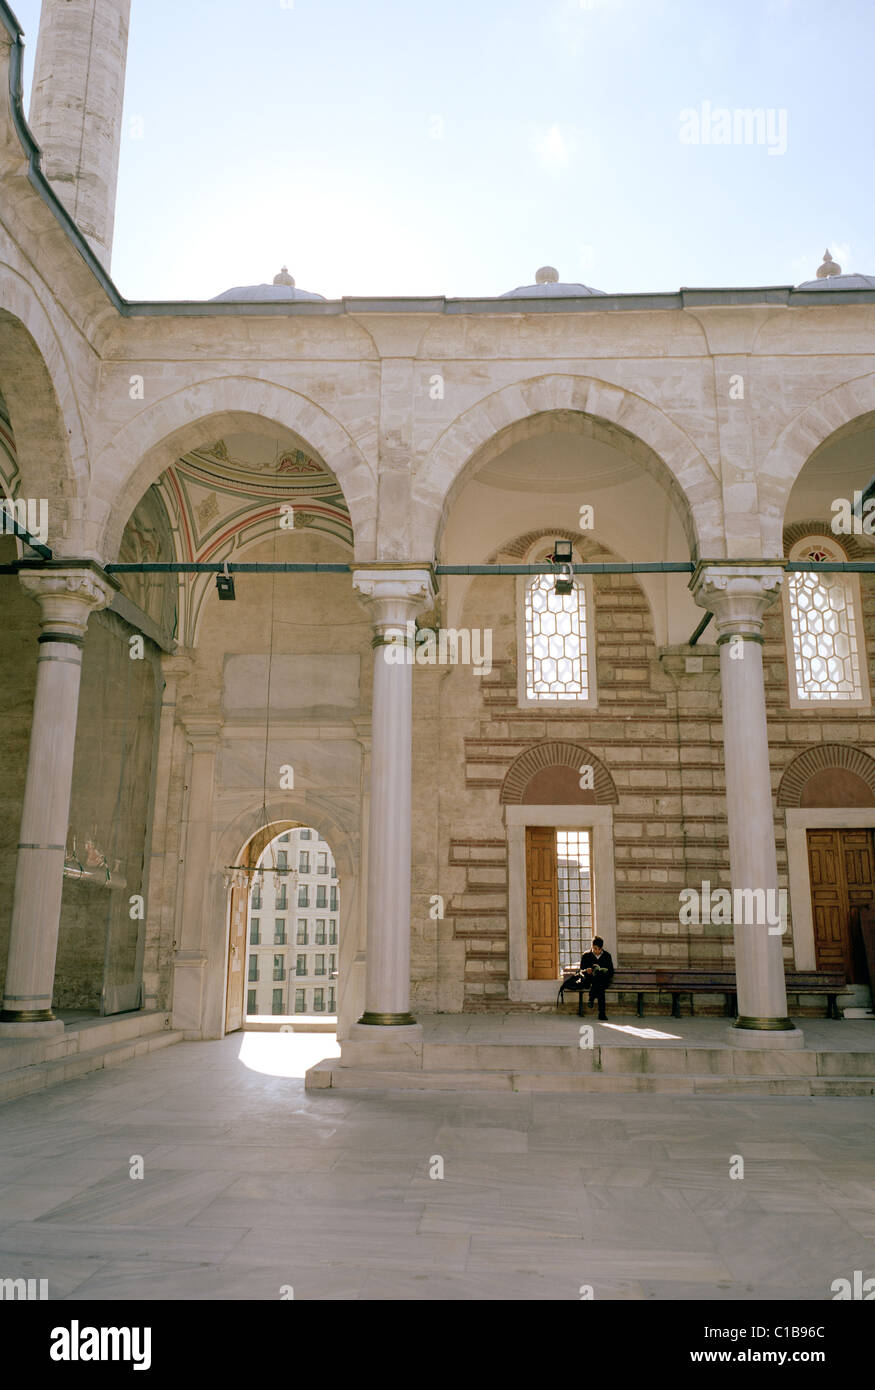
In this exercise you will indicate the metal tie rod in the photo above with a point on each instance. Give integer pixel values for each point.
(600, 567)
(596, 567)
(269, 567)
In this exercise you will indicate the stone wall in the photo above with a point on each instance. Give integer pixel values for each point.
(100, 944)
(657, 731)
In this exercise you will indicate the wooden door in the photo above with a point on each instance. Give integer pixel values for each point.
(236, 957)
(542, 903)
(842, 870)
(859, 867)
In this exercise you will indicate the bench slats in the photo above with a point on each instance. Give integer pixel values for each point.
(678, 982)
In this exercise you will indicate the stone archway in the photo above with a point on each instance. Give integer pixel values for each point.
(178, 424)
(664, 449)
(240, 846)
(798, 442)
(44, 412)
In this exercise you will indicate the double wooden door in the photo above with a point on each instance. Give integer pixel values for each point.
(842, 868)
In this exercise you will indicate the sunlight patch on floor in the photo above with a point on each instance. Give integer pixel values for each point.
(286, 1054)
(642, 1032)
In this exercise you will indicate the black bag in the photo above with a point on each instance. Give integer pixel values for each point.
(576, 983)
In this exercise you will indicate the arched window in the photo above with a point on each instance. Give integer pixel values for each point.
(555, 660)
(826, 650)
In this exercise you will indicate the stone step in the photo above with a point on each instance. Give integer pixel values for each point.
(330, 1074)
(515, 1065)
(25, 1080)
(697, 1061)
(81, 1035)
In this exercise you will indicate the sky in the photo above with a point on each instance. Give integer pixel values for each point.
(388, 147)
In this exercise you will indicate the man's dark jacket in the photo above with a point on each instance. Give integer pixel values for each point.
(597, 980)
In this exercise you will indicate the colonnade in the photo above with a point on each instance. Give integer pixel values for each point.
(68, 592)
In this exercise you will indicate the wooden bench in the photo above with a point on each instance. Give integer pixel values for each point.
(678, 982)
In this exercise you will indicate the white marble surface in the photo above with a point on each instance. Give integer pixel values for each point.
(250, 1184)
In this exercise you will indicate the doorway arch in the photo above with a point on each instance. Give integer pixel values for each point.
(237, 874)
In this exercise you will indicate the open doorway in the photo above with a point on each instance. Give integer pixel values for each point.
(284, 932)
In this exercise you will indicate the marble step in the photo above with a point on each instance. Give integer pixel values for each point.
(330, 1074)
(25, 1080)
(79, 1036)
(605, 1060)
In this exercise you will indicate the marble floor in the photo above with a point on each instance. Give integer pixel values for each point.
(250, 1185)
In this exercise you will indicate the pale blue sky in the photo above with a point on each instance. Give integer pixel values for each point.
(389, 147)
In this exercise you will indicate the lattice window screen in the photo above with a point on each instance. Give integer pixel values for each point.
(556, 642)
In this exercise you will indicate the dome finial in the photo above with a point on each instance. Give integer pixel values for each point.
(284, 278)
(828, 268)
(547, 275)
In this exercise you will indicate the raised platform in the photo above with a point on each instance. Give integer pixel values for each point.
(537, 1052)
(290, 1023)
(87, 1044)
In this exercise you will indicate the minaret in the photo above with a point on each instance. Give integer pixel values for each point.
(76, 108)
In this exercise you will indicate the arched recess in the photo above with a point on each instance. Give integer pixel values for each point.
(242, 841)
(819, 424)
(829, 774)
(44, 411)
(180, 423)
(522, 408)
(551, 772)
(196, 592)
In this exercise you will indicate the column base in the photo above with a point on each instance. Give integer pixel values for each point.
(387, 1049)
(765, 1033)
(379, 1032)
(30, 1028)
(377, 1020)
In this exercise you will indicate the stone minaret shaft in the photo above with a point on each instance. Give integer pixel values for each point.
(76, 108)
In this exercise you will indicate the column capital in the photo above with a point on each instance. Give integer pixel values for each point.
(393, 595)
(202, 732)
(67, 595)
(737, 594)
(178, 664)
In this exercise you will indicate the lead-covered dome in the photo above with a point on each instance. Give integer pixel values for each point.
(283, 287)
(548, 286)
(829, 277)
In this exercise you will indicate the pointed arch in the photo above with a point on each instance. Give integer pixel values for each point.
(179, 423)
(44, 410)
(646, 432)
(798, 442)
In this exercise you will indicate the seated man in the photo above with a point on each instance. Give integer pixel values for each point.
(598, 968)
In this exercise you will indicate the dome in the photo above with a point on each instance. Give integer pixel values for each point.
(829, 277)
(548, 286)
(283, 287)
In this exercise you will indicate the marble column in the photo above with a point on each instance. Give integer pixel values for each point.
(738, 596)
(190, 959)
(176, 668)
(393, 597)
(67, 593)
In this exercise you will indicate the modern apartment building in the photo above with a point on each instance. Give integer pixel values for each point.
(294, 910)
